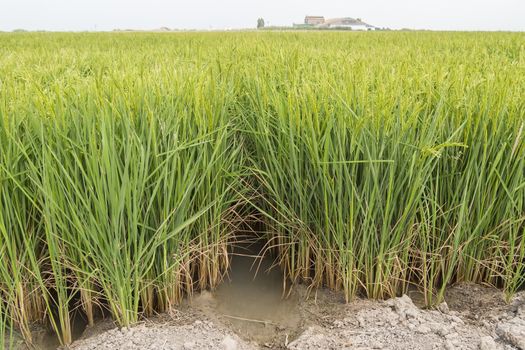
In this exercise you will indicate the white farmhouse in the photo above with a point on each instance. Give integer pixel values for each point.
(346, 23)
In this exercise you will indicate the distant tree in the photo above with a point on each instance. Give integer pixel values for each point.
(260, 23)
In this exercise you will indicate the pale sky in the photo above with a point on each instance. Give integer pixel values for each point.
(78, 15)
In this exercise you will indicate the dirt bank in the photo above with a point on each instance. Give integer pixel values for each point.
(473, 318)
(399, 324)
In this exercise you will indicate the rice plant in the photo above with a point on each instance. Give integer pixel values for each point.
(379, 162)
(378, 177)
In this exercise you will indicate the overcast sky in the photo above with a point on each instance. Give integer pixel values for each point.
(223, 14)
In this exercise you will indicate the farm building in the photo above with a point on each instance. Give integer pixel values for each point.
(347, 23)
(314, 20)
(334, 23)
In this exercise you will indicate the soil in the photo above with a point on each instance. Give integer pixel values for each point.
(399, 324)
(473, 317)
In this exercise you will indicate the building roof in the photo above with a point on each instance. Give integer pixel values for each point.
(345, 21)
(314, 19)
(321, 22)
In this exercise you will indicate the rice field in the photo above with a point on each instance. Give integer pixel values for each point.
(377, 162)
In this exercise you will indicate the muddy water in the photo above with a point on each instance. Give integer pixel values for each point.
(251, 299)
(45, 339)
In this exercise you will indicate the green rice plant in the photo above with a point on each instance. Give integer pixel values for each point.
(124, 207)
(377, 180)
(133, 193)
(6, 329)
(20, 231)
(378, 161)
